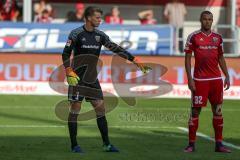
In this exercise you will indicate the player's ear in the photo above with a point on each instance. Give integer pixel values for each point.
(89, 18)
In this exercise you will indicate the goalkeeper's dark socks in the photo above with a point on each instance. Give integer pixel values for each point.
(192, 127)
(103, 127)
(218, 127)
(72, 127)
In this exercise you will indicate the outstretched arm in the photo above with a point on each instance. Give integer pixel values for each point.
(118, 50)
(124, 54)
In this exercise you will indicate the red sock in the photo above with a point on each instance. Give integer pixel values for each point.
(218, 128)
(192, 127)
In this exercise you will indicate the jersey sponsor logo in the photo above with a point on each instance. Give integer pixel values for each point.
(90, 46)
(83, 39)
(207, 47)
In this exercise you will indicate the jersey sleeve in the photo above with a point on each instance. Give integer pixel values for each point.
(189, 46)
(108, 43)
(68, 49)
(220, 47)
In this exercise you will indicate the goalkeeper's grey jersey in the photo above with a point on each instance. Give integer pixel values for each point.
(88, 44)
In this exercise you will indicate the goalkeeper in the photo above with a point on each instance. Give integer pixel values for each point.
(87, 41)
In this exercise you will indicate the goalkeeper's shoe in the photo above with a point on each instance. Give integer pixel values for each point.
(221, 148)
(189, 149)
(110, 148)
(77, 149)
(72, 77)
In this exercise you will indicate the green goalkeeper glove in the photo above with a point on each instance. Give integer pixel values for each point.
(143, 68)
(72, 77)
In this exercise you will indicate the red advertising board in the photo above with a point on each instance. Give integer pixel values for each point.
(30, 74)
(38, 67)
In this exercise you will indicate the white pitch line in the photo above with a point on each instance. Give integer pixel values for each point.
(158, 109)
(140, 127)
(31, 126)
(26, 107)
(211, 139)
(89, 126)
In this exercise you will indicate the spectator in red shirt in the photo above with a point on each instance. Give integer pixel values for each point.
(147, 17)
(44, 17)
(114, 17)
(9, 10)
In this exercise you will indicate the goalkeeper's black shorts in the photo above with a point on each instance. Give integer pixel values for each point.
(89, 91)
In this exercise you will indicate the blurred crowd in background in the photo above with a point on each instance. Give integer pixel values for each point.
(174, 13)
(182, 15)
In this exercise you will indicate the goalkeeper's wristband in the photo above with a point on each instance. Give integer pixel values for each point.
(137, 62)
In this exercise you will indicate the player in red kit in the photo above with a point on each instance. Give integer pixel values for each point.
(206, 83)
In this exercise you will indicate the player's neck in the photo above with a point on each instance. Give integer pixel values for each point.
(207, 32)
(89, 27)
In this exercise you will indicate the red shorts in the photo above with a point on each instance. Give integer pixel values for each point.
(210, 89)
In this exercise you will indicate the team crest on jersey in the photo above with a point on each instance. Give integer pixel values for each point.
(201, 39)
(215, 39)
(69, 42)
(97, 38)
(83, 39)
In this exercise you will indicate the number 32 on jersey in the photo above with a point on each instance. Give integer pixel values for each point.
(198, 99)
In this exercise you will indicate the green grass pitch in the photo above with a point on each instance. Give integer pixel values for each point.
(30, 130)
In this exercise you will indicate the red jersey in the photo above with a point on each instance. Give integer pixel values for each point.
(207, 49)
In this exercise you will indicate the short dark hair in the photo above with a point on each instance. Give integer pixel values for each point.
(90, 11)
(205, 12)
